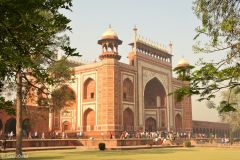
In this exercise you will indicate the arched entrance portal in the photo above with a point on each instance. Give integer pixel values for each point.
(89, 120)
(154, 94)
(128, 120)
(10, 126)
(178, 122)
(150, 124)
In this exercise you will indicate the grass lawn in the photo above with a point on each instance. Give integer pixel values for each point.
(143, 154)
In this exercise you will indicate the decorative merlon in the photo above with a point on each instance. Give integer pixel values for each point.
(153, 44)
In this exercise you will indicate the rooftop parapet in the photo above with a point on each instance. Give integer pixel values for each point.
(153, 49)
(153, 44)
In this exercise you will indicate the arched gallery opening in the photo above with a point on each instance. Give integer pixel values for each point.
(89, 120)
(10, 126)
(150, 124)
(26, 126)
(89, 92)
(66, 126)
(178, 122)
(128, 91)
(128, 120)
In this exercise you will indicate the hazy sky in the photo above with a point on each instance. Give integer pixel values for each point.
(158, 20)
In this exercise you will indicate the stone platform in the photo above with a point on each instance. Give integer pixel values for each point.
(88, 143)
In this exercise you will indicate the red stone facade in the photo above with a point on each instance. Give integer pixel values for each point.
(112, 96)
(213, 128)
(36, 119)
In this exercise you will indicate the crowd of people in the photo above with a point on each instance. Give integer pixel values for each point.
(156, 134)
(49, 135)
(124, 135)
(159, 137)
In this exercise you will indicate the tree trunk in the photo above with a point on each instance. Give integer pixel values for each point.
(231, 136)
(19, 114)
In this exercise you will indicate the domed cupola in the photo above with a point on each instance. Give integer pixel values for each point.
(109, 34)
(182, 63)
(109, 42)
(183, 69)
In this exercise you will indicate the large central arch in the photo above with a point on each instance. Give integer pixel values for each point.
(154, 94)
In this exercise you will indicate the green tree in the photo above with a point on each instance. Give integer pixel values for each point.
(31, 34)
(220, 33)
(61, 96)
(233, 118)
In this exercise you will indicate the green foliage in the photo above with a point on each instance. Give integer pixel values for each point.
(60, 71)
(31, 35)
(181, 92)
(233, 116)
(61, 96)
(183, 72)
(187, 144)
(225, 106)
(220, 28)
(7, 106)
(220, 21)
(101, 146)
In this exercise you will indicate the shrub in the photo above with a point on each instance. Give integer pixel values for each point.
(102, 146)
(187, 144)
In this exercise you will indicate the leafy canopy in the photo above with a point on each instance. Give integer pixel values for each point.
(221, 29)
(62, 96)
(31, 36)
(233, 118)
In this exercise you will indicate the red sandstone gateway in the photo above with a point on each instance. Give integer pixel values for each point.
(113, 97)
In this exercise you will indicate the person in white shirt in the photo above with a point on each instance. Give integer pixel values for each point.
(43, 135)
(35, 134)
(11, 135)
(56, 135)
(63, 135)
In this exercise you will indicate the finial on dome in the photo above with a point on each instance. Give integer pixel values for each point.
(109, 33)
(170, 45)
(135, 28)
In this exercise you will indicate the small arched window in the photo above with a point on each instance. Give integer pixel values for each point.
(89, 93)
(128, 91)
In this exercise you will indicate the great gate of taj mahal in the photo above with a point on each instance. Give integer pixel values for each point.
(112, 96)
